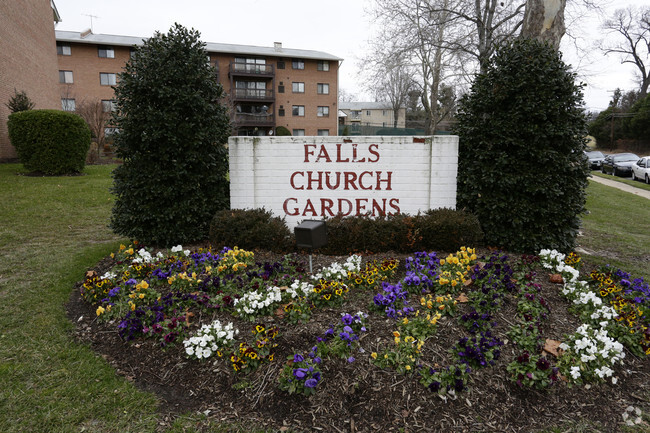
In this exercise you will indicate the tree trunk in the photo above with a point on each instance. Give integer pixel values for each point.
(544, 21)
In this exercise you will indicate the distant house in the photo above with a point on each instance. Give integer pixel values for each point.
(379, 114)
(28, 61)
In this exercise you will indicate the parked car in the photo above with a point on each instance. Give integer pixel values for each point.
(619, 164)
(641, 170)
(595, 158)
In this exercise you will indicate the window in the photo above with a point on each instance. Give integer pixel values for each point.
(131, 53)
(107, 79)
(63, 49)
(298, 110)
(323, 65)
(298, 87)
(280, 64)
(68, 104)
(323, 89)
(108, 105)
(298, 64)
(367, 112)
(65, 77)
(110, 131)
(323, 111)
(383, 112)
(250, 65)
(298, 132)
(323, 132)
(105, 51)
(280, 89)
(281, 112)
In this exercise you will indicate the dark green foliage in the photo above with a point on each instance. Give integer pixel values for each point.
(50, 141)
(449, 229)
(282, 131)
(521, 168)
(172, 139)
(19, 102)
(250, 229)
(438, 229)
(638, 126)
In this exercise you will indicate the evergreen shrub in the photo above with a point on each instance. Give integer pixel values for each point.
(51, 142)
(282, 131)
(173, 131)
(522, 134)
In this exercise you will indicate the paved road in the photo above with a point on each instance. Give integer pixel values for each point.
(622, 186)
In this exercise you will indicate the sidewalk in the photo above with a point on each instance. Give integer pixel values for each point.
(622, 186)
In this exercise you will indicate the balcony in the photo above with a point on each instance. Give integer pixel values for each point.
(249, 119)
(253, 95)
(251, 69)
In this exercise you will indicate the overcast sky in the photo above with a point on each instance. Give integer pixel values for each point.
(338, 27)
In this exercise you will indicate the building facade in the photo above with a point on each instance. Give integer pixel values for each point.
(28, 62)
(265, 87)
(378, 114)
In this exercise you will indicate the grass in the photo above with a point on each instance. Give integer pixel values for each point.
(617, 229)
(625, 180)
(54, 228)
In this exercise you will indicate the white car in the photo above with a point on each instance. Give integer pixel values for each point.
(641, 170)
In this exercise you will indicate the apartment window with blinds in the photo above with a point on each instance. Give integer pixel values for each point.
(63, 49)
(106, 52)
(298, 110)
(65, 77)
(68, 104)
(323, 88)
(107, 79)
(323, 111)
(298, 87)
(323, 65)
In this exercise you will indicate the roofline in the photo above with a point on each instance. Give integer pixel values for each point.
(55, 11)
(211, 47)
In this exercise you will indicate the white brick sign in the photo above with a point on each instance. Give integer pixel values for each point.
(303, 178)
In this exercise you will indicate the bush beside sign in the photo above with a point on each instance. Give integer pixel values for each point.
(303, 178)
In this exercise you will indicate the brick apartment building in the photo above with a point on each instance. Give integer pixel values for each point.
(265, 87)
(27, 59)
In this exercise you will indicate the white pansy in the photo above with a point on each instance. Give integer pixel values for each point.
(209, 339)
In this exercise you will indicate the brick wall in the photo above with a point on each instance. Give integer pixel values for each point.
(315, 177)
(86, 65)
(27, 60)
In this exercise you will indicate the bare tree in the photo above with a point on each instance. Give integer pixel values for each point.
(632, 30)
(392, 80)
(97, 116)
(544, 21)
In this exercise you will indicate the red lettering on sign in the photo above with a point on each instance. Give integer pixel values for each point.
(394, 202)
(308, 152)
(295, 211)
(291, 180)
(374, 149)
(350, 180)
(323, 154)
(380, 180)
(361, 207)
(338, 154)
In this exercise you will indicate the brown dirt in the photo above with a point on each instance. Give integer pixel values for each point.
(359, 397)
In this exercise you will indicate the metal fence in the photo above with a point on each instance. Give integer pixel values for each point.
(382, 130)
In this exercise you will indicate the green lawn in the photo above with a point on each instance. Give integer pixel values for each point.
(617, 229)
(54, 228)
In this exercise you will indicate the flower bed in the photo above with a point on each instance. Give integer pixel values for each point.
(194, 300)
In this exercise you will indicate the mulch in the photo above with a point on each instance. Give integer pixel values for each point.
(359, 397)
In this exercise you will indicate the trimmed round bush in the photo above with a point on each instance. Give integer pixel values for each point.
(250, 229)
(50, 141)
(282, 131)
